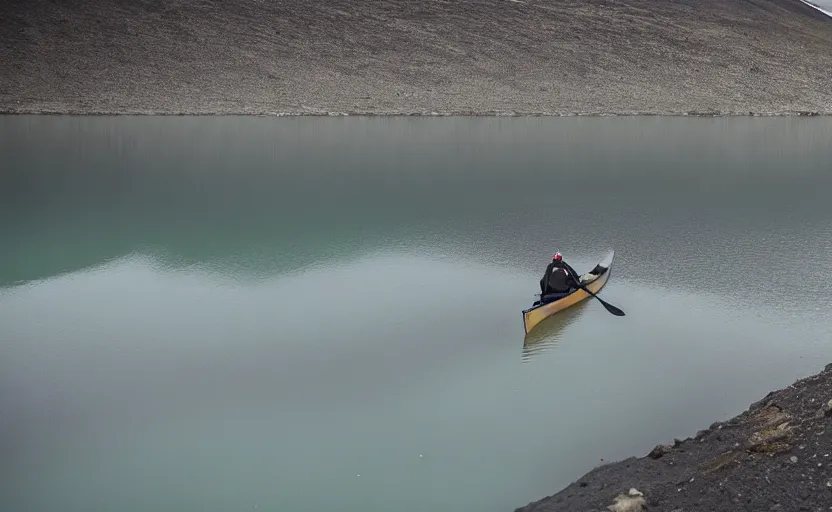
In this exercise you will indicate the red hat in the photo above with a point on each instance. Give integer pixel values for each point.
(557, 256)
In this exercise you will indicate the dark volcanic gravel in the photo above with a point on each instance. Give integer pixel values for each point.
(776, 456)
(418, 57)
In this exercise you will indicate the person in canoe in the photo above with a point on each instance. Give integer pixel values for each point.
(559, 278)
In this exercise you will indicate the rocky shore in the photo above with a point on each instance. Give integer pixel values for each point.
(775, 456)
(432, 57)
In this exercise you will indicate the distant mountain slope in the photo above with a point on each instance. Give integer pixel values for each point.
(404, 56)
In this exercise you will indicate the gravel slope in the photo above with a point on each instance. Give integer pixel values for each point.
(776, 456)
(417, 57)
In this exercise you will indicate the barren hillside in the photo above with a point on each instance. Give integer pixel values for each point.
(407, 56)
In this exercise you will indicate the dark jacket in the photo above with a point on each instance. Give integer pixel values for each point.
(558, 278)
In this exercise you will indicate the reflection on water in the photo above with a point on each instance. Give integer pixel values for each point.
(552, 331)
(235, 313)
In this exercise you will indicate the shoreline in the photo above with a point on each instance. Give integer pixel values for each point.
(774, 456)
(819, 8)
(105, 113)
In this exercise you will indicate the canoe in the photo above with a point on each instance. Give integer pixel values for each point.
(594, 280)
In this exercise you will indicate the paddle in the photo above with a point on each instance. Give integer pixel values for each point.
(609, 307)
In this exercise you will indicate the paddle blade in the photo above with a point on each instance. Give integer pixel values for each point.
(609, 307)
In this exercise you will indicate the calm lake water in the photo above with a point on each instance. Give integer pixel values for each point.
(222, 314)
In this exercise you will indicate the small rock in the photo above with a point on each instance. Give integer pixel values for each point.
(633, 501)
(659, 450)
(793, 459)
(771, 440)
(826, 409)
(829, 483)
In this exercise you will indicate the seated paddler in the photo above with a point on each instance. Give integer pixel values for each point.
(558, 279)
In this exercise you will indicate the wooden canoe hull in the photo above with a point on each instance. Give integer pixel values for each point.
(533, 316)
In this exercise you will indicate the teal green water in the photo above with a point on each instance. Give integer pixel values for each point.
(223, 314)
